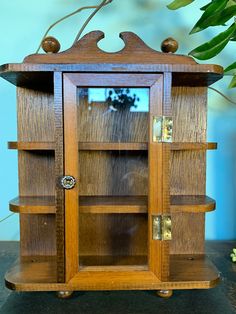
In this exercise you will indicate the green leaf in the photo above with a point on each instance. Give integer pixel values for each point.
(233, 38)
(225, 15)
(205, 7)
(233, 82)
(210, 16)
(231, 69)
(230, 3)
(176, 4)
(214, 46)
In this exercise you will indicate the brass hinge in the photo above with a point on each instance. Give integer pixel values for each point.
(162, 129)
(161, 227)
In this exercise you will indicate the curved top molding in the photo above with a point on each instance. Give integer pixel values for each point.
(86, 50)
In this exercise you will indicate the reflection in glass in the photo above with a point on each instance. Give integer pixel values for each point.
(134, 99)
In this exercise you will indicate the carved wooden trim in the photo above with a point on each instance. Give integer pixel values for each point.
(86, 50)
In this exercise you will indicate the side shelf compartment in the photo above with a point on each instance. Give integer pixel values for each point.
(36, 173)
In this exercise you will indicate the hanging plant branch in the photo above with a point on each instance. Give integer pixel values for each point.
(97, 7)
(5, 218)
(221, 94)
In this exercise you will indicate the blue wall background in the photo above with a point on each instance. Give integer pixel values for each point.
(22, 24)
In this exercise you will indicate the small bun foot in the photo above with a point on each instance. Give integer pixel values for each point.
(165, 293)
(64, 294)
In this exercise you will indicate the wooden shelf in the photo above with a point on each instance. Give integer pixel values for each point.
(33, 269)
(33, 205)
(112, 204)
(39, 274)
(193, 146)
(32, 145)
(113, 146)
(115, 263)
(144, 146)
(110, 146)
(192, 203)
(138, 204)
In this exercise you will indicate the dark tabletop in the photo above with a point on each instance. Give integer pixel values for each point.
(221, 299)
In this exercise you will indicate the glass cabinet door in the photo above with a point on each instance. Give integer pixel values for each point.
(110, 151)
(113, 176)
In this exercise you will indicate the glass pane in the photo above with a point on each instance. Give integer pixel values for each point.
(113, 178)
(113, 114)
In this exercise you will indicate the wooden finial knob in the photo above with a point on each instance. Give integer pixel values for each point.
(51, 45)
(169, 45)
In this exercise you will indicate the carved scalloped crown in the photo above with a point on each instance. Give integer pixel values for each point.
(86, 50)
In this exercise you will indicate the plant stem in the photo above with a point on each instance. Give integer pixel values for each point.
(224, 96)
(69, 15)
(102, 4)
(3, 219)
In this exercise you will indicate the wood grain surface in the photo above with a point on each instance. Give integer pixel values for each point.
(158, 250)
(71, 168)
(38, 235)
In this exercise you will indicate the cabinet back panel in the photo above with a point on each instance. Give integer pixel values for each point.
(188, 168)
(113, 173)
(188, 233)
(188, 172)
(97, 124)
(35, 116)
(189, 109)
(38, 235)
(36, 173)
(113, 234)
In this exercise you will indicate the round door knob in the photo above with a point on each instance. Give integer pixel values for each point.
(68, 182)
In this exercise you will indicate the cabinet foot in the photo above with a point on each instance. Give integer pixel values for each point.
(64, 294)
(165, 293)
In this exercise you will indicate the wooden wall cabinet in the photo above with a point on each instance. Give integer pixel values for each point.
(129, 129)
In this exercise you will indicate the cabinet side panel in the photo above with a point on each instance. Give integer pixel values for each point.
(36, 169)
(188, 168)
